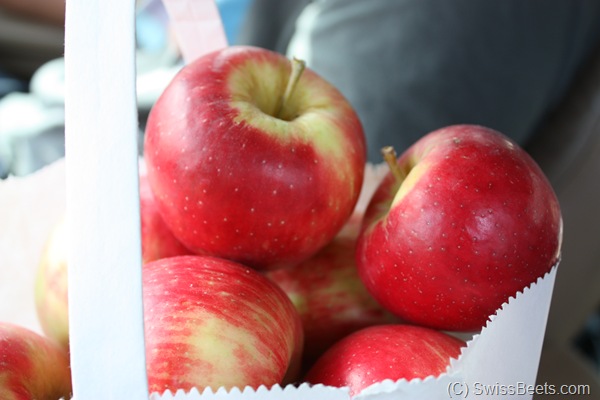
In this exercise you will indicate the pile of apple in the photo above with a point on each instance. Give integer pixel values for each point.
(257, 269)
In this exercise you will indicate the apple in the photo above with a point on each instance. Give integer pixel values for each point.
(51, 297)
(51, 278)
(211, 322)
(464, 219)
(254, 158)
(32, 366)
(329, 295)
(157, 239)
(381, 352)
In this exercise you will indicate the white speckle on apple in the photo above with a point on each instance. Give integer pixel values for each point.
(252, 210)
(274, 192)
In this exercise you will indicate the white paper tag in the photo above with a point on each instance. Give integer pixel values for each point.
(104, 258)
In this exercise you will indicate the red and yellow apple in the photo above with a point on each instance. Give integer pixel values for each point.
(329, 295)
(51, 297)
(252, 160)
(383, 352)
(32, 366)
(211, 322)
(464, 220)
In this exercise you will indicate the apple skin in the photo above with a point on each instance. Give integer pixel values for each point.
(234, 181)
(329, 295)
(32, 366)
(383, 352)
(51, 297)
(157, 239)
(211, 322)
(474, 222)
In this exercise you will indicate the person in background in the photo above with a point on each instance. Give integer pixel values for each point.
(412, 66)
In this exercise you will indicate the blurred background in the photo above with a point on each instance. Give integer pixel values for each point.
(561, 128)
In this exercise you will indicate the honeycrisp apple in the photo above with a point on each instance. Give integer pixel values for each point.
(329, 295)
(32, 366)
(253, 158)
(383, 352)
(465, 219)
(211, 322)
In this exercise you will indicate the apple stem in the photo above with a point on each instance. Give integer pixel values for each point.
(390, 157)
(298, 67)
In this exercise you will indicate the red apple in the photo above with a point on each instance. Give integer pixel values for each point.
(252, 160)
(51, 280)
(329, 295)
(468, 220)
(32, 366)
(157, 239)
(214, 323)
(382, 352)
